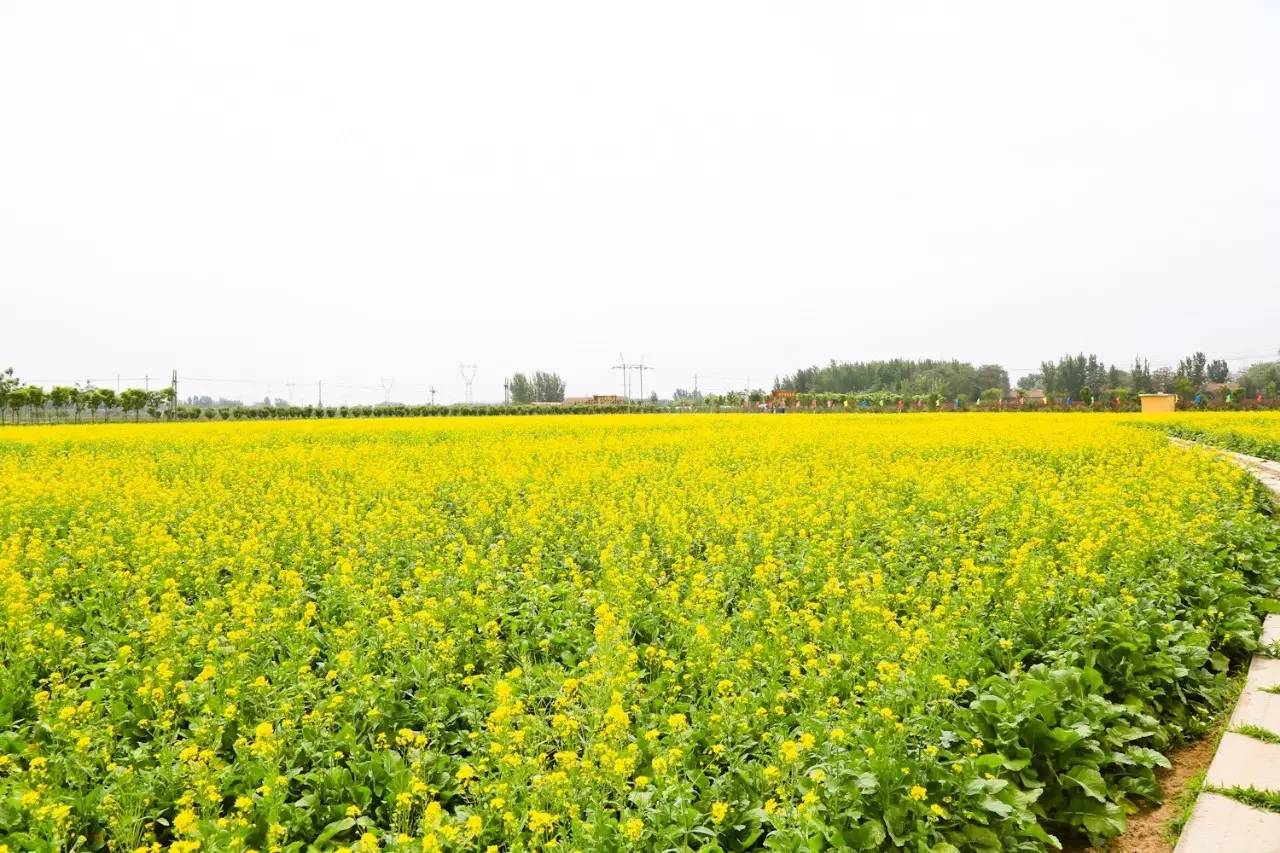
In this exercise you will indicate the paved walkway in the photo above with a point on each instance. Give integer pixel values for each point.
(1220, 824)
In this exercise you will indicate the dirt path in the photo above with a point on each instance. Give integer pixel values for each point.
(1148, 831)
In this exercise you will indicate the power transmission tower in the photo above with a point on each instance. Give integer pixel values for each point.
(291, 386)
(319, 393)
(506, 392)
(387, 385)
(173, 394)
(468, 372)
(640, 367)
(432, 389)
(624, 367)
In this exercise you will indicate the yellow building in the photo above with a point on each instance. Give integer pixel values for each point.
(1153, 404)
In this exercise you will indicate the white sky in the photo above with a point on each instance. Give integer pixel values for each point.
(286, 191)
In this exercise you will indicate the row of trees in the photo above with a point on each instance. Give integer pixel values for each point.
(73, 401)
(544, 387)
(1081, 377)
(949, 379)
(1075, 377)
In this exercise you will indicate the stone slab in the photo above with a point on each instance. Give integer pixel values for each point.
(1246, 762)
(1271, 629)
(1263, 672)
(1257, 708)
(1219, 824)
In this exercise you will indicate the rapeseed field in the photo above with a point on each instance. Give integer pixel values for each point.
(1254, 433)
(933, 633)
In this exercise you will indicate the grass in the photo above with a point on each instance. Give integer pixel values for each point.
(1257, 733)
(1186, 803)
(1258, 799)
(1275, 688)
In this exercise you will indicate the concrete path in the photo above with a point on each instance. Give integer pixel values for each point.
(1220, 824)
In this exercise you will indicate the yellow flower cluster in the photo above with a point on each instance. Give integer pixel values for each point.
(587, 633)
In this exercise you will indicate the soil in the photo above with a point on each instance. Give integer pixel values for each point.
(1148, 830)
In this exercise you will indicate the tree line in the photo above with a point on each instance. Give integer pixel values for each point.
(73, 401)
(1085, 378)
(906, 377)
(1077, 378)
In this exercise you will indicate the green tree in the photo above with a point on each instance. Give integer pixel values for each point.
(1218, 370)
(990, 376)
(60, 398)
(8, 384)
(79, 397)
(105, 399)
(1193, 368)
(133, 400)
(521, 389)
(155, 399)
(547, 387)
(1258, 376)
(35, 398)
(1140, 376)
(15, 399)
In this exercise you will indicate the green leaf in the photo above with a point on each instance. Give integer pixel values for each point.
(1089, 779)
(996, 807)
(336, 828)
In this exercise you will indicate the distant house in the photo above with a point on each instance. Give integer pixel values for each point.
(1030, 395)
(782, 399)
(595, 400)
(1221, 388)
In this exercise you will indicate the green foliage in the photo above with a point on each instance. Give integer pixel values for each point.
(1264, 444)
(1186, 804)
(902, 376)
(133, 400)
(1257, 733)
(1265, 800)
(547, 387)
(521, 390)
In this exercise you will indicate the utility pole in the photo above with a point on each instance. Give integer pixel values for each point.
(146, 382)
(506, 392)
(117, 384)
(319, 393)
(173, 392)
(432, 389)
(468, 372)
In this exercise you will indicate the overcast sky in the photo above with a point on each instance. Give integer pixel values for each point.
(369, 191)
